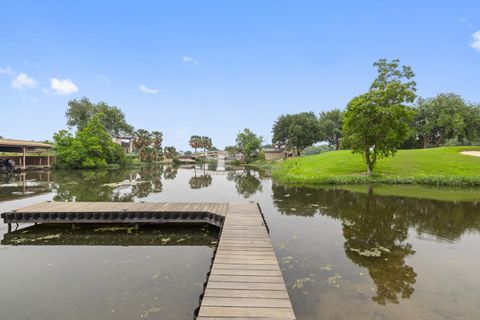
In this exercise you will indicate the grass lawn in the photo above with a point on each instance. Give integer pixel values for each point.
(437, 166)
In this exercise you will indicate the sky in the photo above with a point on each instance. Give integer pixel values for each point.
(214, 68)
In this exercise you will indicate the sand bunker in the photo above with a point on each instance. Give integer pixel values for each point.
(471, 153)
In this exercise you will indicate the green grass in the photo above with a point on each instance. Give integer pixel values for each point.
(437, 166)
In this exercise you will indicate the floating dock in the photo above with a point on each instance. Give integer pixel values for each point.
(245, 280)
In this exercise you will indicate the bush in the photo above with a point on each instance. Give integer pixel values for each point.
(316, 149)
(91, 148)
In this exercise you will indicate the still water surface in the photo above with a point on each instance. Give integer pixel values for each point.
(344, 254)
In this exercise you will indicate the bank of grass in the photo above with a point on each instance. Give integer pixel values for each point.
(436, 166)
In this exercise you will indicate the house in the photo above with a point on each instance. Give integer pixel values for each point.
(125, 142)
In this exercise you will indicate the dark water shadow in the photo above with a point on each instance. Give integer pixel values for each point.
(113, 235)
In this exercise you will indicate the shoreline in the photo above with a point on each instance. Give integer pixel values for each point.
(444, 166)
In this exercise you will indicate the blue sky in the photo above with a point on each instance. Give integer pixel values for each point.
(215, 67)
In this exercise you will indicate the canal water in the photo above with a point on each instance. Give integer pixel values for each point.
(346, 253)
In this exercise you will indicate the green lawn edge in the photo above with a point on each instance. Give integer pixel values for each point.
(444, 166)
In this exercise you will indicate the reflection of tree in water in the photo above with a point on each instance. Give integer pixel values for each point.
(212, 166)
(246, 181)
(85, 185)
(108, 185)
(170, 173)
(151, 174)
(200, 181)
(376, 228)
(375, 239)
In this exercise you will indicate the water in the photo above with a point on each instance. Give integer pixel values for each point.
(344, 254)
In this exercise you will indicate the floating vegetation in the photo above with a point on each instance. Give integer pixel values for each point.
(114, 229)
(165, 240)
(299, 283)
(287, 259)
(281, 245)
(333, 281)
(348, 223)
(146, 313)
(374, 252)
(327, 267)
(49, 237)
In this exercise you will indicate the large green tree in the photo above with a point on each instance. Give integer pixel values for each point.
(330, 127)
(376, 123)
(446, 116)
(248, 144)
(297, 131)
(80, 112)
(91, 147)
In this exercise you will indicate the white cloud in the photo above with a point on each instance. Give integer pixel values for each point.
(475, 44)
(63, 87)
(187, 59)
(7, 71)
(146, 89)
(23, 81)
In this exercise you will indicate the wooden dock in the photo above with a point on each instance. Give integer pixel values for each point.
(245, 281)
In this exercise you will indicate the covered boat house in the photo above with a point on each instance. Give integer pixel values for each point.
(27, 154)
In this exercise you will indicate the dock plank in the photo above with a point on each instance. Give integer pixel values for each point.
(245, 280)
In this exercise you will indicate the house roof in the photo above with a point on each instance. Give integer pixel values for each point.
(24, 143)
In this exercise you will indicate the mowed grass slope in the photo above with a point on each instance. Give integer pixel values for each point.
(437, 166)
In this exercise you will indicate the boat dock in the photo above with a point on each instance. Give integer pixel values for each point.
(245, 280)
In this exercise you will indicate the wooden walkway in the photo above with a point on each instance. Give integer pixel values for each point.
(119, 212)
(245, 281)
(47, 207)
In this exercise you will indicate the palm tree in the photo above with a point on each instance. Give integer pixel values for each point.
(195, 142)
(157, 139)
(142, 140)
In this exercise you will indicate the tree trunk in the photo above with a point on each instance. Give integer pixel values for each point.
(367, 161)
(370, 162)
